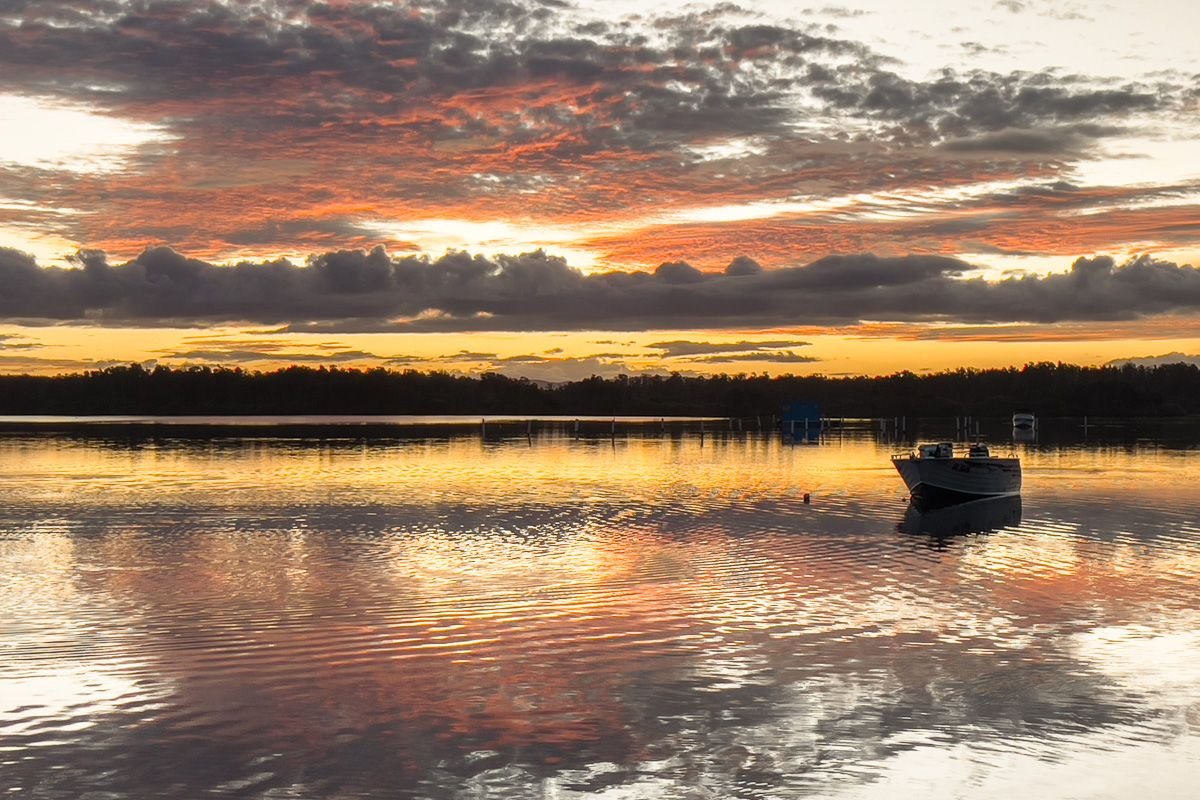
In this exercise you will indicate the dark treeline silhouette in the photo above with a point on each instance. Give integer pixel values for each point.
(1048, 389)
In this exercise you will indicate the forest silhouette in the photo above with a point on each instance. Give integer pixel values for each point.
(1050, 389)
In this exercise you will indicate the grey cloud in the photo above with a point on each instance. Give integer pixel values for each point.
(772, 358)
(759, 41)
(240, 355)
(370, 291)
(978, 49)
(1157, 361)
(955, 105)
(257, 344)
(17, 342)
(743, 265)
(834, 273)
(710, 75)
(1060, 140)
(1058, 197)
(678, 272)
(402, 55)
(286, 78)
(284, 232)
(840, 12)
(467, 356)
(677, 348)
(1055, 9)
(22, 363)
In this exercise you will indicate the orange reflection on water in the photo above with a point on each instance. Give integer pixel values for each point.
(563, 597)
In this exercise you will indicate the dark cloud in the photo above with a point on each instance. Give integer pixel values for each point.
(17, 342)
(20, 363)
(348, 65)
(297, 124)
(679, 347)
(771, 358)
(978, 49)
(468, 356)
(957, 105)
(238, 355)
(1060, 140)
(743, 265)
(371, 291)
(857, 272)
(678, 272)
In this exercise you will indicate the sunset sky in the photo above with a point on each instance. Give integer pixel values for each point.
(558, 189)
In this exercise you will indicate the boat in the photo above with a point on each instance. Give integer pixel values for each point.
(934, 473)
(1024, 421)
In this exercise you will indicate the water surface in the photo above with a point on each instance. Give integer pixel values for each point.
(651, 614)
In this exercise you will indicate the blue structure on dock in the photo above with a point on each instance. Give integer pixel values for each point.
(801, 422)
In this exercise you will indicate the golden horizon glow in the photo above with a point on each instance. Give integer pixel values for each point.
(563, 356)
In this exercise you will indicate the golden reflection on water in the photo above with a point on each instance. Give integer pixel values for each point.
(658, 614)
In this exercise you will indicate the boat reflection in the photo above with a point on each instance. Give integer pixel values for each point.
(960, 519)
(1025, 435)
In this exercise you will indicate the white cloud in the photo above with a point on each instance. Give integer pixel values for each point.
(59, 136)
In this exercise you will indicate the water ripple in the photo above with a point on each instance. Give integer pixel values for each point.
(643, 617)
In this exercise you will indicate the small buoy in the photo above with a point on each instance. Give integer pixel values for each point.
(806, 498)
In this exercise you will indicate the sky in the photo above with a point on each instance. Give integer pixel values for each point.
(557, 189)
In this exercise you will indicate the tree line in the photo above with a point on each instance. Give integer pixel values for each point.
(1048, 389)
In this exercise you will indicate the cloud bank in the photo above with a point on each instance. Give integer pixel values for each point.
(362, 291)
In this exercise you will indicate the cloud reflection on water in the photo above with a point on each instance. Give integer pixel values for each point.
(436, 618)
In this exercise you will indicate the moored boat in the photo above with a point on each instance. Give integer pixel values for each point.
(1024, 421)
(934, 473)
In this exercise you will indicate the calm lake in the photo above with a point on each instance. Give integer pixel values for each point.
(650, 614)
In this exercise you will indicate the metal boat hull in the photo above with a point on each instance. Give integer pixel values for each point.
(1023, 421)
(949, 480)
